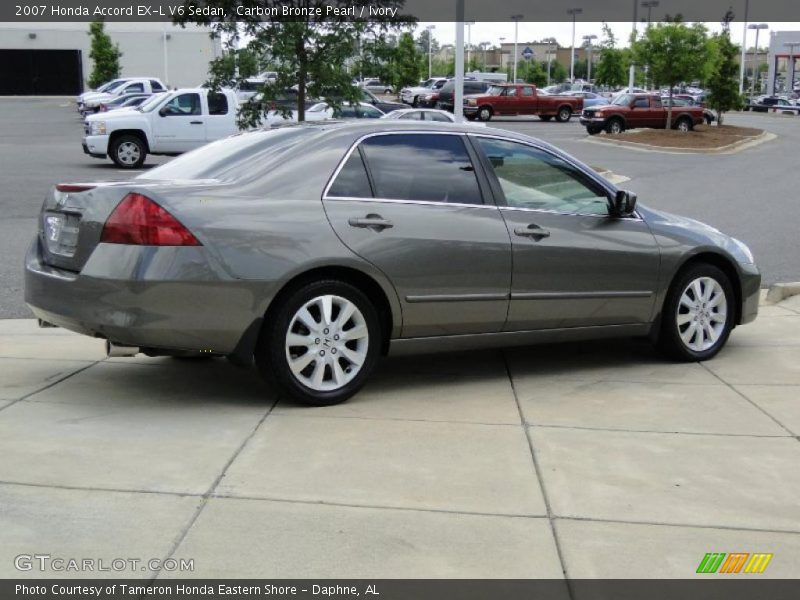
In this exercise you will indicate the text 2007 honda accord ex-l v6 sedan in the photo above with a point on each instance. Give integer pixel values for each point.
(316, 249)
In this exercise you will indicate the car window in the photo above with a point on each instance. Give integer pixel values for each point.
(184, 104)
(439, 117)
(156, 86)
(532, 178)
(427, 167)
(655, 103)
(641, 103)
(411, 116)
(369, 112)
(352, 180)
(217, 104)
(133, 88)
(527, 91)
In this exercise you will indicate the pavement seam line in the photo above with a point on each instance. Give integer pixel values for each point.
(654, 431)
(50, 385)
(78, 488)
(538, 472)
(741, 394)
(686, 525)
(208, 494)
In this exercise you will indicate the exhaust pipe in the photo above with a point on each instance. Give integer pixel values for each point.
(119, 351)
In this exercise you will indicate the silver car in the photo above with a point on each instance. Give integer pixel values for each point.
(316, 249)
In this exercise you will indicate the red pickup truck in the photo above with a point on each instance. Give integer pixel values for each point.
(520, 99)
(630, 111)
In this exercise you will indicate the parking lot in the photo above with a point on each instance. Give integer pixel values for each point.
(594, 460)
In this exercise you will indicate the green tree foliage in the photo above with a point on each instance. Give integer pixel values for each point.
(610, 68)
(674, 52)
(723, 82)
(309, 53)
(105, 55)
(408, 62)
(222, 70)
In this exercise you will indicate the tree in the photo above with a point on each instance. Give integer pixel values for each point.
(104, 54)
(723, 83)
(310, 51)
(674, 53)
(408, 65)
(424, 38)
(223, 69)
(610, 67)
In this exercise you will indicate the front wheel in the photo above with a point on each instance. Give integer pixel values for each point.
(415, 102)
(485, 113)
(322, 343)
(698, 314)
(128, 152)
(593, 130)
(615, 127)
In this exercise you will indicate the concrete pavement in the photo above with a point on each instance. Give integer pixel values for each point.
(584, 460)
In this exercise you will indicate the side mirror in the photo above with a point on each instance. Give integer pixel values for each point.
(163, 111)
(624, 204)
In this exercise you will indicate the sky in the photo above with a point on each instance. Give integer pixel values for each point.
(445, 33)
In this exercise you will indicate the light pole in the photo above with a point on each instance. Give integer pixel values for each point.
(430, 29)
(469, 25)
(483, 46)
(744, 46)
(649, 5)
(502, 39)
(588, 39)
(516, 19)
(573, 12)
(758, 27)
(632, 73)
(791, 46)
(549, 41)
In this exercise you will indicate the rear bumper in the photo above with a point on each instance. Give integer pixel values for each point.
(163, 298)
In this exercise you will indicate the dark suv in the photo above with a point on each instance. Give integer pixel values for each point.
(447, 93)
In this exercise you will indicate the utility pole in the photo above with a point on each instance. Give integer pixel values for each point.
(744, 46)
(758, 27)
(430, 29)
(573, 12)
(469, 25)
(649, 5)
(792, 62)
(516, 19)
(588, 39)
(632, 74)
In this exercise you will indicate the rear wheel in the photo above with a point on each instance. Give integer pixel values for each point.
(322, 343)
(545, 117)
(128, 151)
(485, 113)
(698, 314)
(615, 127)
(564, 114)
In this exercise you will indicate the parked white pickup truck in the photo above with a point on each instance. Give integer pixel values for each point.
(169, 123)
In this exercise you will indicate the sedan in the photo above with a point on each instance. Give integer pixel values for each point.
(589, 98)
(421, 114)
(313, 250)
(321, 111)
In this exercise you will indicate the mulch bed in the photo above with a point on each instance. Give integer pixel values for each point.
(703, 136)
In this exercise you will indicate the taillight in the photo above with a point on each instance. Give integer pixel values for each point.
(73, 187)
(137, 220)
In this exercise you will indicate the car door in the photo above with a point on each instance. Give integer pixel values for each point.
(639, 113)
(413, 205)
(179, 126)
(527, 101)
(218, 121)
(574, 265)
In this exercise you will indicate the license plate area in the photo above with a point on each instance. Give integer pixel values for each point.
(61, 233)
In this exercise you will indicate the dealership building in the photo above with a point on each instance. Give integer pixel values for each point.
(53, 58)
(784, 50)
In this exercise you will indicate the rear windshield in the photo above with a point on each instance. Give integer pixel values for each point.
(230, 158)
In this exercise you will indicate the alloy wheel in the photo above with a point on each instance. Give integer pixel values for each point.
(128, 153)
(683, 125)
(702, 314)
(327, 343)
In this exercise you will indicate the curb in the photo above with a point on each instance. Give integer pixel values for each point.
(733, 148)
(781, 291)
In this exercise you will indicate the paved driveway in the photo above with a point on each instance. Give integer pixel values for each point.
(591, 460)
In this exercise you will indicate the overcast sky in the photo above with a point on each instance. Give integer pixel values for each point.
(445, 33)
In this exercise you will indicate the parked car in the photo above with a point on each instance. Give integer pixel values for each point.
(377, 86)
(322, 111)
(411, 95)
(422, 114)
(631, 111)
(169, 123)
(520, 99)
(249, 88)
(129, 101)
(385, 106)
(774, 104)
(446, 95)
(589, 98)
(429, 240)
(109, 86)
(132, 86)
(683, 100)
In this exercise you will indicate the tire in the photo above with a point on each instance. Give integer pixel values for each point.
(545, 117)
(709, 119)
(712, 324)
(128, 151)
(593, 130)
(316, 381)
(684, 124)
(415, 102)
(615, 127)
(564, 114)
(485, 113)
(387, 91)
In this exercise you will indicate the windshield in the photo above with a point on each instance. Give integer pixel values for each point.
(231, 157)
(151, 103)
(622, 100)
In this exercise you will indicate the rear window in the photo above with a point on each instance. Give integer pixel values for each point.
(217, 104)
(229, 158)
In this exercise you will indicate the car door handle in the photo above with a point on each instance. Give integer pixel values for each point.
(195, 122)
(533, 231)
(375, 222)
